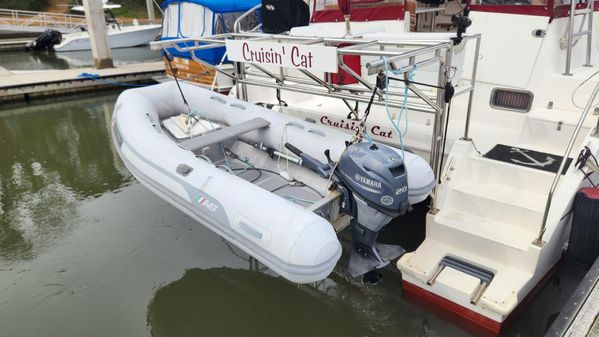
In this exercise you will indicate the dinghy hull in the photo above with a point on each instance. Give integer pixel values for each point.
(290, 239)
(293, 242)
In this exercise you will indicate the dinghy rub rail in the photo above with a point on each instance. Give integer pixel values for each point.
(227, 227)
(296, 273)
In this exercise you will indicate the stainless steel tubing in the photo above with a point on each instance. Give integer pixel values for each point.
(539, 240)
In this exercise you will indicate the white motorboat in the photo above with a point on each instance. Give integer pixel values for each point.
(262, 180)
(500, 220)
(118, 37)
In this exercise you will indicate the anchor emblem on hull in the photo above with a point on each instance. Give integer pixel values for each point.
(533, 161)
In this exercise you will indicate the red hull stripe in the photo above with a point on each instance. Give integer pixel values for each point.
(388, 12)
(469, 320)
(536, 10)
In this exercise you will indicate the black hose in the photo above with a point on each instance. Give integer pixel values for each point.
(444, 138)
(168, 60)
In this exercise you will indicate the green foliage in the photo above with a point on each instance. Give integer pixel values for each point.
(129, 8)
(133, 9)
(29, 5)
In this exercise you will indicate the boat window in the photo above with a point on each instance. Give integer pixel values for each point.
(560, 8)
(360, 10)
(185, 19)
(321, 5)
(511, 2)
(510, 99)
(556, 3)
(225, 22)
(579, 4)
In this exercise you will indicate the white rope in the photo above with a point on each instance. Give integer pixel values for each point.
(222, 60)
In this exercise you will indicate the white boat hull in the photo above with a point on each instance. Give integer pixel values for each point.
(128, 36)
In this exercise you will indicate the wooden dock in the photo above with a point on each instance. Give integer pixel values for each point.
(14, 44)
(25, 85)
(580, 316)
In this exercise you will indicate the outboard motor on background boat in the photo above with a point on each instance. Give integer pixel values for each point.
(373, 181)
(46, 40)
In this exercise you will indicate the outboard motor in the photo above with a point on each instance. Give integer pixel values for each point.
(373, 181)
(46, 40)
(377, 183)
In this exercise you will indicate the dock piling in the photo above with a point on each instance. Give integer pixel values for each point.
(98, 36)
(150, 7)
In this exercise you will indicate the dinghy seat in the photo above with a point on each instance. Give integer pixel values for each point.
(196, 144)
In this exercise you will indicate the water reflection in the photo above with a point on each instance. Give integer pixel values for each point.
(232, 302)
(52, 156)
(236, 302)
(42, 60)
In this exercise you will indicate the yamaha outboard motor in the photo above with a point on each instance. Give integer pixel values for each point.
(46, 40)
(373, 181)
(377, 182)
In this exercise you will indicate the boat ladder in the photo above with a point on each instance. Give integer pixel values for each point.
(572, 37)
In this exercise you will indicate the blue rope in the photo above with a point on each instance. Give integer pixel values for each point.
(404, 106)
(97, 77)
(404, 109)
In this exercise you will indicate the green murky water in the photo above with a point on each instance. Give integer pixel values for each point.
(85, 250)
(41, 60)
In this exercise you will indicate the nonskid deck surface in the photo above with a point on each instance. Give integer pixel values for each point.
(527, 158)
(264, 172)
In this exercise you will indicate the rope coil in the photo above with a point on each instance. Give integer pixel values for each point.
(97, 77)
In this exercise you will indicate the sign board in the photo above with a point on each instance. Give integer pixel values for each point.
(308, 57)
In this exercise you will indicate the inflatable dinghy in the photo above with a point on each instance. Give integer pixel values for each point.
(269, 183)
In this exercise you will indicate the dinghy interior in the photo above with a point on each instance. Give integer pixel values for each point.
(274, 185)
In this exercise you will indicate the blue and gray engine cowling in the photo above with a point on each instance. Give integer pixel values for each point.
(374, 180)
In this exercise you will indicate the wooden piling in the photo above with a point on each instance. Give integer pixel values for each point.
(98, 35)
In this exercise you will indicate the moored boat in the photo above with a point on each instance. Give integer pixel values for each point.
(500, 220)
(226, 164)
(119, 36)
(200, 18)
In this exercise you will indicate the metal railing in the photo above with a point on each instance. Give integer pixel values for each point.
(539, 240)
(422, 12)
(237, 24)
(572, 36)
(412, 54)
(41, 20)
(239, 69)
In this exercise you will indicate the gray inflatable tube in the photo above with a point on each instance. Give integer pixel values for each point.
(292, 241)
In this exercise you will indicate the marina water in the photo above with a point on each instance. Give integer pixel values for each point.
(85, 250)
(42, 60)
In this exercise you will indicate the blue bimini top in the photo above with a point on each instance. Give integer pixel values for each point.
(219, 6)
